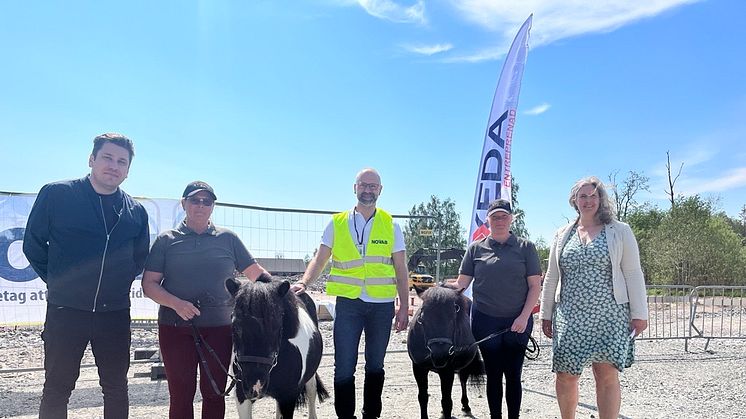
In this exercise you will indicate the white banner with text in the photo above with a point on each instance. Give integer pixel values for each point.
(23, 294)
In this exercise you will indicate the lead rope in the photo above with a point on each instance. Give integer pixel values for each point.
(198, 343)
(532, 351)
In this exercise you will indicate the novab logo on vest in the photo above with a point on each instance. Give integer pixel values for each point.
(378, 241)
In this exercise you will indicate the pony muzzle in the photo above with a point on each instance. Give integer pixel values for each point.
(256, 391)
(441, 351)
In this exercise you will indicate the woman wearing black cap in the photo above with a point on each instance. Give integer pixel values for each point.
(185, 273)
(507, 283)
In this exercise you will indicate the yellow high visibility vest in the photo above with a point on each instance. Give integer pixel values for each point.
(351, 272)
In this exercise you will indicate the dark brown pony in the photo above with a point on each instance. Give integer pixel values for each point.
(440, 340)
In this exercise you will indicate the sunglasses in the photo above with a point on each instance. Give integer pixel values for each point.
(201, 201)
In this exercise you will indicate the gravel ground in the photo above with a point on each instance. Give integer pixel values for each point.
(665, 382)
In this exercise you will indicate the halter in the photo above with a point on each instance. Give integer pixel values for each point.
(449, 341)
(270, 360)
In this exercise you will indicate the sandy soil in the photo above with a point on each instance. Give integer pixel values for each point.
(665, 382)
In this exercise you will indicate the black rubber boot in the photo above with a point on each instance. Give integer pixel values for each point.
(344, 399)
(372, 390)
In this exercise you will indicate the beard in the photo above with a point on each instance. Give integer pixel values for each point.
(367, 199)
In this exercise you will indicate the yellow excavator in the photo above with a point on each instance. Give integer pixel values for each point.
(420, 278)
(418, 274)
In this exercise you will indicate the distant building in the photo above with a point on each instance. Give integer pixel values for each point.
(283, 267)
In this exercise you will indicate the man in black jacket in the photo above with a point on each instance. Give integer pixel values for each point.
(88, 240)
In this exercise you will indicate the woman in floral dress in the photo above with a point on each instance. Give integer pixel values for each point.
(593, 303)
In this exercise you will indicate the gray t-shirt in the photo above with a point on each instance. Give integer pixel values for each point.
(500, 271)
(195, 267)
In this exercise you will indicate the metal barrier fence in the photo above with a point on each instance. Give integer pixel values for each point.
(668, 306)
(282, 239)
(280, 233)
(686, 312)
(717, 312)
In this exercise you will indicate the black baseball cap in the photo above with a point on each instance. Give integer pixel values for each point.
(502, 205)
(196, 186)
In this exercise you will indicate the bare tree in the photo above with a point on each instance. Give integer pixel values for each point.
(624, 193)
(672, 182)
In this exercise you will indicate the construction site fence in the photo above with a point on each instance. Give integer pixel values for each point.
(282, 233)
(688, 313)
(680, 312)
(675, 312)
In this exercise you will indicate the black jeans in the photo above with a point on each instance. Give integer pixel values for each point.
(503, 356)
(66, 334)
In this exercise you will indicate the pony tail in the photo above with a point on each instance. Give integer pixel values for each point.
(321, 390)
(475, 372)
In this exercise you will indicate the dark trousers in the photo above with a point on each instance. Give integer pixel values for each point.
(503, 355)
(352, 318)
(180, 360)
(66, 334)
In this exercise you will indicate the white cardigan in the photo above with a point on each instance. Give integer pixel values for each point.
(627, 277)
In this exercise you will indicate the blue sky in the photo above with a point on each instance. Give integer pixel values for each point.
(280, 103)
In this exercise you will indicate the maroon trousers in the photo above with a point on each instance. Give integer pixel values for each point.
(180, 360)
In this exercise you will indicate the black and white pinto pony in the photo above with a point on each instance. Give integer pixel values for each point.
(276, 347)
(440, 340)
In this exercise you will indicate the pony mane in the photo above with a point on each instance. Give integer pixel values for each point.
(264, 305)
(441, 295)
(445, 298)
(290, 322)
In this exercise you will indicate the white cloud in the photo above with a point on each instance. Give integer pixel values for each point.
(389, 10)
(485, 54)
(694, 155)
(427, 49)
(553, 20)
(538, 110)
(732, 179)
(701, 174)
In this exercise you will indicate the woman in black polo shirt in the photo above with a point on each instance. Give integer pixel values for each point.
(507, 283)
(187, 267)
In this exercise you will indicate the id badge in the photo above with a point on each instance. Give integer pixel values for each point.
(361, 249)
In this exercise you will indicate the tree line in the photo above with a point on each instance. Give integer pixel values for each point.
(691, 242)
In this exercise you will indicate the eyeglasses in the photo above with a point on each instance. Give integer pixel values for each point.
(369, 186)
(201, 201)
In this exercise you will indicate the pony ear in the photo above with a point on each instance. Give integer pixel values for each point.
(233, 285)
(283, 288)
(264, 277)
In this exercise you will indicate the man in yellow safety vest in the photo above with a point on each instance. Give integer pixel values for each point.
(368, 271)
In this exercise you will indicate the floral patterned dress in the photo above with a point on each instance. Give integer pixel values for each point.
(589, 325)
